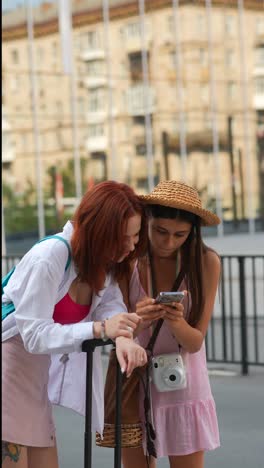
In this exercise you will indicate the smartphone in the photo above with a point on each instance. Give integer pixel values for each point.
(168, 297)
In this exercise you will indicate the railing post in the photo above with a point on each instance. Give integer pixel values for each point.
(118, 429)
(243, 316)
(88, 410)
(224, 340)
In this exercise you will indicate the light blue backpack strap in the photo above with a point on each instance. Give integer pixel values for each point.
(8, 308)
(55, 236)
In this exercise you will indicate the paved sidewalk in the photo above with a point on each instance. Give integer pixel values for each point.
(240, 408)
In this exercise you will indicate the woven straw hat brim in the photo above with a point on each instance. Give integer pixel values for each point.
(208, 217)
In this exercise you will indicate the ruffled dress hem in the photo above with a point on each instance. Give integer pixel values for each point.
(194, 424)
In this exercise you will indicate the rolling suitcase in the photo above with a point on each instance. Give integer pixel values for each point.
(88, 347)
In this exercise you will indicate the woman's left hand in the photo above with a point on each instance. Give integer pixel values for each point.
(173, 312)
(129, 354)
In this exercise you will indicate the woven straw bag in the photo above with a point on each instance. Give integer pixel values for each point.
(131, 425)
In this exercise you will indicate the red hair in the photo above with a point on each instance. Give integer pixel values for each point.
(99, 225)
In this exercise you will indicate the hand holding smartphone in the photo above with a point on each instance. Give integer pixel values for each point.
(169, 297)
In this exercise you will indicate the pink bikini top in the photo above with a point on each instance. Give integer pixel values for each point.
(66, 311)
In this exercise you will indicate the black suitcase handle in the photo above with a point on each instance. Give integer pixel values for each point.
(88, 347)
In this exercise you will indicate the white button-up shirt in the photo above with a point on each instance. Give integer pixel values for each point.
(37, 284)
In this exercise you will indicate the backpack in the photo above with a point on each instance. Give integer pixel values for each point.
(8, 307)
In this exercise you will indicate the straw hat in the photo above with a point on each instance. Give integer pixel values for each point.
(179, 195)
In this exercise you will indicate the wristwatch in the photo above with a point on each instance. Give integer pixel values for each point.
(104, 336)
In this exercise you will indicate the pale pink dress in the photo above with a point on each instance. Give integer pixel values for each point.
(185, 420)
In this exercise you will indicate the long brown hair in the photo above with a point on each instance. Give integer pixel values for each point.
(192, 252)
(99, 226)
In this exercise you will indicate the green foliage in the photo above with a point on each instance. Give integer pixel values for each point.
(20, 215)
(208, 201)
(20, 210)
(67, 173)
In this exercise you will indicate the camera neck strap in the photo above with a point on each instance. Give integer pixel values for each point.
(175, 287)
(150, 431)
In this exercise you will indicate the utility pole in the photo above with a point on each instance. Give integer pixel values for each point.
(242, 188)
(232, 168)
(165, 151)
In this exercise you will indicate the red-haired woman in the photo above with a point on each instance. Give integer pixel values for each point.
(56, 309)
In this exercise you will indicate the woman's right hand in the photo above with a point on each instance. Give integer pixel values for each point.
(148, 310)
(130, 355)
(123, 324)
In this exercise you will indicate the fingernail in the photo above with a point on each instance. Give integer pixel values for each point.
(122, 370)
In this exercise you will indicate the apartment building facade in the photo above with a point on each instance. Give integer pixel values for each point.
(190, 106)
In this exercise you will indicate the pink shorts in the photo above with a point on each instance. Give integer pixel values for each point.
(26, 409)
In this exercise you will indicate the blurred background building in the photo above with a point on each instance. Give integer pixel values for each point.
(158, 89)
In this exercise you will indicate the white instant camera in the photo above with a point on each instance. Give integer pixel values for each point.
(168, 372)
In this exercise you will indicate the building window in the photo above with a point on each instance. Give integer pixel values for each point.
(141, 149)
(15, 56)
(14, 83)
(208, 121)
(142, 183)
(259, 85)
(260, 26)
(90, 40)
(59, 108)
(40, 55)
(205, 93)
(94, 68)
(201, 23)
(132, 30)
(96, 100)
(96, 130)
(231, 90)
(171, 24)
(135, 65)
(229, 25)
(176, 123)
(260, 120)
(260, 56)
(203, 57)
(139, 120)
(230, 58)
(80, 106)
(54, 52)
(173, 59)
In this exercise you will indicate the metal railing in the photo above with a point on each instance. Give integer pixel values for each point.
(236, 331)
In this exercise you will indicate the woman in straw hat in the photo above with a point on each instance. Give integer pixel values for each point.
(183, 413)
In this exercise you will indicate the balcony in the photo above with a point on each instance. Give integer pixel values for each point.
(99, 115)
(92, 54)
(258, 101)
(97, 143)
(8, 154)
(95, 81)
(140, 100)
(96, 116)
(132, 36)
(258, 97)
